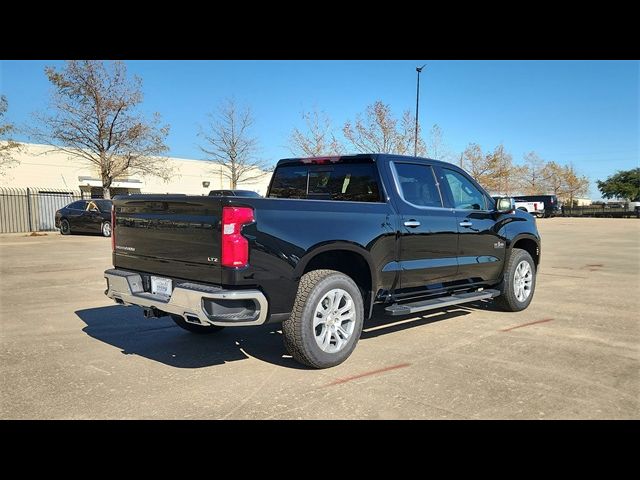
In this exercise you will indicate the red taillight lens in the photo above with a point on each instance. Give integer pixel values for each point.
(113, 228)
(235, 248)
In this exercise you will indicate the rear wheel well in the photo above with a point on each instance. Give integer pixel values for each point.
(351, 264)
(529, 246)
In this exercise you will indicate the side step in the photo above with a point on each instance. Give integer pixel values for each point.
(435, 303)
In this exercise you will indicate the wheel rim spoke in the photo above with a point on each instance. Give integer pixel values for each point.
(342, 333)
(334, 320)
(326, 340)
(522, 281)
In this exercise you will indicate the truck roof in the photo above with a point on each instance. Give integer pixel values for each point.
(375, 156)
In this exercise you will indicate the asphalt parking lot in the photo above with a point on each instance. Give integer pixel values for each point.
(69, 352)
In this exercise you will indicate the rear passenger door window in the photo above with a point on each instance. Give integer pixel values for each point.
(418, 185)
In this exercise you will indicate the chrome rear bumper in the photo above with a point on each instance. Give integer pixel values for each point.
(190, 300)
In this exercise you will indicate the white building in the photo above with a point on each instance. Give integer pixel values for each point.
(40, 167)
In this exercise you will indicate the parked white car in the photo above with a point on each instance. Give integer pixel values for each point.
(534, 208)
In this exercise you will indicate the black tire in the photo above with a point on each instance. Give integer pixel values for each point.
(105, 229)
(507, 299)
(523, 209)
(65, 228)
(193, 328)
(298, 331)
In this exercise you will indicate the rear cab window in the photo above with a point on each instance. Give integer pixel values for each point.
(354, 180)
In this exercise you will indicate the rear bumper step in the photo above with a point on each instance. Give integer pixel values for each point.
(435, 303)
(196, 303)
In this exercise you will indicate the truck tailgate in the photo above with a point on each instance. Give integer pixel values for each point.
(172, 235)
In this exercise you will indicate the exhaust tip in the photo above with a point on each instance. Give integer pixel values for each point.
(192, 319)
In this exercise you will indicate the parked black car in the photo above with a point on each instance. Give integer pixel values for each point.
(234, 193)
(334, 236)
(85, 216)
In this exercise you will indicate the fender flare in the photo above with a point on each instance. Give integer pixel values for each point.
(320, 248)
(520, 236)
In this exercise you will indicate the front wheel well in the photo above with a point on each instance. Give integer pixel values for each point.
(529, 246)
(351, 264)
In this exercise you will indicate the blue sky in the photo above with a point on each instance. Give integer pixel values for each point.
(580, 112)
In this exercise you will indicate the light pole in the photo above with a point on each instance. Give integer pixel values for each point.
(415, 140)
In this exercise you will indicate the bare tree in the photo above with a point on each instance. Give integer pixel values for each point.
(533, 177)
(436, 147)
(553, 175)
(229, 144)
(93, 117)
(494, 171)
(405, 139)
(378, 131)
(575, 185)
(318, 139)
(477, 164)
(7, 146)
(506, 175)
(565, 182)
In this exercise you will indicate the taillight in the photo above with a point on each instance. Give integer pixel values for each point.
(113, 228)
(235, 248)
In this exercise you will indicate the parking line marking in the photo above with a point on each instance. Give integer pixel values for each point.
(366, 374)
(526, 324)
(560, 275)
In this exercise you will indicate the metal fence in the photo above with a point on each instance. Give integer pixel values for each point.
(602, 210)
(32, 209)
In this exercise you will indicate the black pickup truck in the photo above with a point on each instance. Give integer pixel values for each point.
(333, 237)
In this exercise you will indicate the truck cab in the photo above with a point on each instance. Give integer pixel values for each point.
(334, 237)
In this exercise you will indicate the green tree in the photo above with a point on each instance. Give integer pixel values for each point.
(93, 117)
(7, 146)
(623, 184)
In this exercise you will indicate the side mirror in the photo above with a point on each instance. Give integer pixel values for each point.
(505, 205)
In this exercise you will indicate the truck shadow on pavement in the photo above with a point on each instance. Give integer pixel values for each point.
(160, 339)
(163, 341)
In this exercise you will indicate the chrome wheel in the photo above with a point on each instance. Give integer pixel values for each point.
(106, 229)
(334, 320)
(522, 281)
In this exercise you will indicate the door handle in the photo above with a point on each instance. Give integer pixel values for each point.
(466, 223)
(412, 223)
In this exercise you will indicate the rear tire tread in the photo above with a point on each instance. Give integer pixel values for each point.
(292, 327)
(507, 300)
